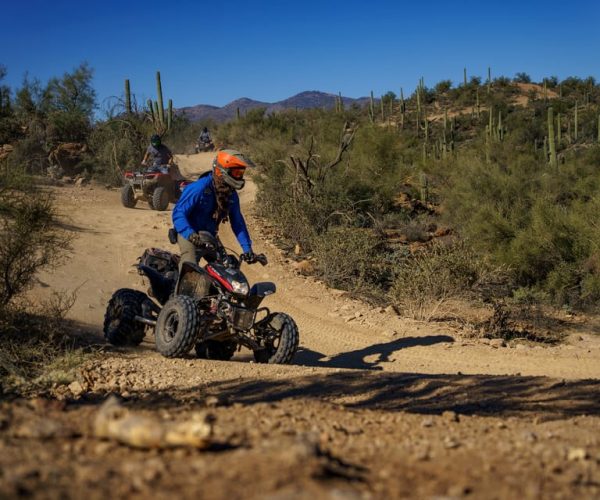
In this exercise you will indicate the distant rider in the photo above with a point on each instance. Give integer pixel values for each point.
(157, 153)
(211, 200)
(204, 137)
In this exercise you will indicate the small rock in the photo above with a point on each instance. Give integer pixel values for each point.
(358, 314)
(76, 388)
(450, 416)
(390, 310)
(428, 422)
(304, 267)
(211, 401)
(451, 443)
(577, 454)
(497, 343)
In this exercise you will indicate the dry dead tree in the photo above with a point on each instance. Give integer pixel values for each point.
(310, 171)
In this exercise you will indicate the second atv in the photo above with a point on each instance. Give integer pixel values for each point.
(158, 186)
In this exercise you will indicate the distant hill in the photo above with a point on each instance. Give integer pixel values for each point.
(303, 100)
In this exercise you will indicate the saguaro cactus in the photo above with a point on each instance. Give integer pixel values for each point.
(128, 109)
(489, 81)
(402, 107)
(501, 129)
(465, 76)
(551, 143)
(372, 108)
(424, 187)
(157, 111)
(576, 124)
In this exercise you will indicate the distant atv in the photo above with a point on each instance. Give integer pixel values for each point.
(158, 186)
(217, 324)
(204, 146)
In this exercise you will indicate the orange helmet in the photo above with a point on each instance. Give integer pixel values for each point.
(230, 165)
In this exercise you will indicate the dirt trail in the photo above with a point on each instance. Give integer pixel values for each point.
(373, 406)
(335, 331)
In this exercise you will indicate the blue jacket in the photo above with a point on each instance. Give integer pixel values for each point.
(195, 209)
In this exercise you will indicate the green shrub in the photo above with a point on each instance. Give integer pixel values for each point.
(352, 259)
(424, 282)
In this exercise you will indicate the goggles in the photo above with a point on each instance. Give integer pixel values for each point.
(236, 173)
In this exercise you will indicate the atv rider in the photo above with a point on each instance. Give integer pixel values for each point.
(158, 156)
(208, 202)
(204, 137)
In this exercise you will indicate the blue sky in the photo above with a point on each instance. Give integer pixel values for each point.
(214, 52)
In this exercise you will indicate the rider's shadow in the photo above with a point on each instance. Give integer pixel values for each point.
(357, 359)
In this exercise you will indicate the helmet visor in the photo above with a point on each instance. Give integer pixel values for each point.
(236, 173)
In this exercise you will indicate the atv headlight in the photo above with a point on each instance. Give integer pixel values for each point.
(239, 287)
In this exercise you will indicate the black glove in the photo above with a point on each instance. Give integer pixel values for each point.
(196, 239)
(249, 257)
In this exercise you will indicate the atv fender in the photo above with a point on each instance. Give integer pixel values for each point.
(193, 280)
(161, 287)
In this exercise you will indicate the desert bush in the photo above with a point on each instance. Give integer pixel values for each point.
(424, 282)
(31, 240)
(36, 346)
(352, 259)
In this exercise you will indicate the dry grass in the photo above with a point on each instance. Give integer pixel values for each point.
(36, 349)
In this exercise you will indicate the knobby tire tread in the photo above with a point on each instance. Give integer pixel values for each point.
(128, 332)
(187, 330)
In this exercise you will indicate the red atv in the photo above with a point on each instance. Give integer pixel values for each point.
(212, 307)
(158, 186)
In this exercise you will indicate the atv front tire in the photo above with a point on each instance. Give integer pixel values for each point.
(120, 326)
(213, 349)
(177, 327)
(281, 340)
(160, 198)
(128, 196)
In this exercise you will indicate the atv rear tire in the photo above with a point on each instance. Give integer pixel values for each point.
(177, 327)
(160, 198)
(128, 196)
(213, 349)
(281, 349)
(120, 326)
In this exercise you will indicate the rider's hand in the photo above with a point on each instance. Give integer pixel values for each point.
(196, 239)
(249, 257)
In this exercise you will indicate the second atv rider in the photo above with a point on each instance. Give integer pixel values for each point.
(208, 202)
(158, 156)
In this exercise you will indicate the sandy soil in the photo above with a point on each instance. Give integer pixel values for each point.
(374, 405)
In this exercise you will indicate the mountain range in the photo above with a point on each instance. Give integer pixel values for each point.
(303, 100)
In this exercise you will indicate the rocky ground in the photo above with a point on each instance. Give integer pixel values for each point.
(374, 406)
